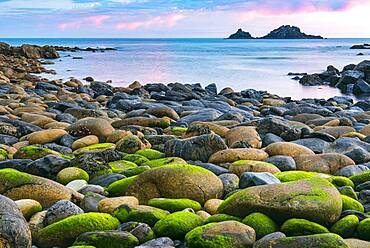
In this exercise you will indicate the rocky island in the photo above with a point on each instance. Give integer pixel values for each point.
(283, 32)
(177, 165)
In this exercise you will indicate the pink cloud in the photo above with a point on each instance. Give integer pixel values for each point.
(166, 20)
(97, 21)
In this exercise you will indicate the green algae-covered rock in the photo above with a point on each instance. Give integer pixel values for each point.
(151, 154)
(81, 246)
(119, 188)
(136, 158)
(220, 218)
(108, 239)
(227, 234)
(63, 233)
(19, 185)
(164, 161)
(174, 205)
(348, 191)
(363, 229)
(135, 171)
(71, 173)
(176, 225)
(241, 166)
(313, 199)
(301, 227)
(261, 223)
(360, 178)
(95, 148)
(121, 165)
(141, 213)
(34, 152)
(351, 204)
(339, 181)
(346, 226)
(176, 181)
(322, 240)
(4, 154)
(291, 176)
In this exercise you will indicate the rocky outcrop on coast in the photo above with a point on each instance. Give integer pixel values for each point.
(29, 51)
(283, 32)
(353, 79)
(178, 165)
(363, 46)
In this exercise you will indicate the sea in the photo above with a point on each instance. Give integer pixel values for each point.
(240, 64)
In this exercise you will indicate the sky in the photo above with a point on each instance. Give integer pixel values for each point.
(179, 18)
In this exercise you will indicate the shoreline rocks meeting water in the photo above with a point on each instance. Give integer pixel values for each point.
(177, 165)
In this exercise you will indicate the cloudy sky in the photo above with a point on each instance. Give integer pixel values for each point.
(180, 18)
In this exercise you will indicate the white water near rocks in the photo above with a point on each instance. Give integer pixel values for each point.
(240, 64)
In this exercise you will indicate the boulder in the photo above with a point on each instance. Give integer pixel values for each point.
(247, 135)
(241, 166)
(96, 126)
(313, 199)
(232, 155)
(287, 149)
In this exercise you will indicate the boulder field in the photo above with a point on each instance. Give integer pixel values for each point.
(177, 165)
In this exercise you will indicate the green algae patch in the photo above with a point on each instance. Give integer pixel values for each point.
(339, 181)
(174, 205)
(119, 188)
(301, 227)
(363, 229)
(108, 239)
(348, 191)
(313, 199)
(346, 226)
(34, 152)
(360, 178)
(261, 223)
(10, 178)
(323, 240)
(351, 204)
(71, 173)
(164, 161)
(95, 148)
(136, 158)
(151, 154)
(135, 171)
(63, 233)
(4, 154)
(291, 176)
(121, 165)
(177, 225)
(220, 218)
(227, 234)
(141, 213)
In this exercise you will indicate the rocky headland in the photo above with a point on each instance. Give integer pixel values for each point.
(353, 79)
(177, 165)
(283, 32)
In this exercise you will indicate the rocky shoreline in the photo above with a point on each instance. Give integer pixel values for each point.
(176, 165)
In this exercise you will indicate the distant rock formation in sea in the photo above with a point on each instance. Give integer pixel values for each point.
(240, 34)
(283, 32)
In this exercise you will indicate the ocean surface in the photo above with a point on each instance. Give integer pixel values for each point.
(240, 64)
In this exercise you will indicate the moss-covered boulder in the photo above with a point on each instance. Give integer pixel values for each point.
(18, 185)
(135, 171)
(164, 161)
(176, 181)
(136, 158)
(288, 149)
(108, 205)
(107, 239)
(261, 223)
(327, 163)
(313, 199)
(28, 207)
(291, 176)
(63, 233)
(14, 230)
(232, 155)
(121, 165)
(151, 154)
(361, 178)
(301, 227)
(348, 191)
(363, 229)
(132, 144)
(346, 226)
(227, 234)
(241, 166)
(351, 204)
(177, 225)
(101, 147)
(221, 217)
(120, 187)
(71, 173)
(141, 213)
(143, 121)
(34, 152)
(322, 240)
(340, 181)
(174, 205)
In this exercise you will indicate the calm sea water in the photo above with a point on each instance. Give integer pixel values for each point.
(240, 64)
